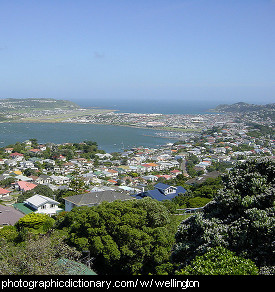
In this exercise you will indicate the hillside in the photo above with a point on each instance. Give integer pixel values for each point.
(241, 107)
(42, 110)
(35, 103)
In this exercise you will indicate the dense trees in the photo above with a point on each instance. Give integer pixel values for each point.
(35, 256)
(240, 218)
(132, 237)
(87, 150)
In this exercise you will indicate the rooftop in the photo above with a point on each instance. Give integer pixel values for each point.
(38, 200)
(9, 215)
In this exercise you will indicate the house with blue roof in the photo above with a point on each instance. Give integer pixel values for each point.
(162, 192)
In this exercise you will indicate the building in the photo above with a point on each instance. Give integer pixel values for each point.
(24, 186)
(4, 193)
(162, 192)
(42, 204)
(94, 198)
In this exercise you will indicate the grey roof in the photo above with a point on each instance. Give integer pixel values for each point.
(95, 198)
(9, 215)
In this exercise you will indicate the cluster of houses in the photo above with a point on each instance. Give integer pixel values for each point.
(132, 170)
(122, 176)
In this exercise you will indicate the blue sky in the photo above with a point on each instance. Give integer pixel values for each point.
(128, 49)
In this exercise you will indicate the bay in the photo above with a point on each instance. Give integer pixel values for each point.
(109, 138)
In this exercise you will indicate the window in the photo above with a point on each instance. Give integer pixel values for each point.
(170, 190)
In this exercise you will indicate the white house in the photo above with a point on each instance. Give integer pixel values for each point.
(60, 179)
(43, 205)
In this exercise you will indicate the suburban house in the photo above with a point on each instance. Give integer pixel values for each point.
(42, 204)
(44, 179)
(4, 192)
(8, 150)
(17, 156)
(162, 192)
(94, 198)
(24, 186)
(59, 179)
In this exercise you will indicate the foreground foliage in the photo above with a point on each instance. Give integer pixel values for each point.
(240, 218)
(132, 237)
(220, 261)
(38, 255)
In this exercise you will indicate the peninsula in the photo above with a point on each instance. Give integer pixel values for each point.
(41, 110)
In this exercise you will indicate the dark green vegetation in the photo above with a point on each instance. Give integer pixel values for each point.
(249, 112)
(133, 237)
(87, 150)
(234, 234)
(243, 107)
(36, 255)
(259, 131)
(240, 218)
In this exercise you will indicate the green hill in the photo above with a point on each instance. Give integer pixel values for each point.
(9, 104)
(240, 107)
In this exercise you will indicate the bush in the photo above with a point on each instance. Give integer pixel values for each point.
(131, 237)
(240, 218)
(220, 261)
(35, 222)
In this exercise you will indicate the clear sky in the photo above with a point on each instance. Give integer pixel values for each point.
(220, 50)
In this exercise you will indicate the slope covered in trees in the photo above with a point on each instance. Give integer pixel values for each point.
(240, 218)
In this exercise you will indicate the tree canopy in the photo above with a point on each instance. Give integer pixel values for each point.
(132, 237)
(240, 218)
(37, 256)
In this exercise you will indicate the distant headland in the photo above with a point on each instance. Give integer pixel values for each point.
(241, 107)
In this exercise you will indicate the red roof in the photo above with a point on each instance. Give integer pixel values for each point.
(34, 150)
(26, 186)
(175, 171)
(3, 191)
(16, 154)
(112, 171)
(112, 181)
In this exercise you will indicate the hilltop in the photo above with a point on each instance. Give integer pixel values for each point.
(42, 110)
(241, 107)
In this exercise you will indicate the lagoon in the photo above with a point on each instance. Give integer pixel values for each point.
(108, 137)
